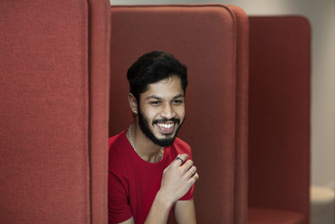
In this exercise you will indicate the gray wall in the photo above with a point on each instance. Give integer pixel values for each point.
(322, 19)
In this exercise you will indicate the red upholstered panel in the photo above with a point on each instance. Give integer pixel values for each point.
(266, 216)
(204, 37)
(53, 114)
(279, 114)
(241, 131)
(99, 74)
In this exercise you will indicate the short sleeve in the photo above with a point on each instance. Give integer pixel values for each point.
(118, 207)
(181, 148)
(188, 195)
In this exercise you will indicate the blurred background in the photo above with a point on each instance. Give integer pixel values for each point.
(321, 17)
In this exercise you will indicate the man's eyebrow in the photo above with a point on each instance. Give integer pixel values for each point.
(178, 96)
(153, 97)
(159, 98)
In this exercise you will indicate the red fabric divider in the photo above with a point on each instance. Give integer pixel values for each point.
(54, 69)
(204, 37)
(279, 114)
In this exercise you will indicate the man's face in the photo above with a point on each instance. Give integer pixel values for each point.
(162, 111)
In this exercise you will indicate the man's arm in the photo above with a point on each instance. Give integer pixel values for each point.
(185, 212)
(129, 221)
(177, 180)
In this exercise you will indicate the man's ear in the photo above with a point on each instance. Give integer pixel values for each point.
(133, 103)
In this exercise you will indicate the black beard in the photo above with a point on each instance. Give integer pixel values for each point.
(144, 125)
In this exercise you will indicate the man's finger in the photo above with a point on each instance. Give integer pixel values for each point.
(192, 171)
(195, 177)
(187, 165)
(182, 158)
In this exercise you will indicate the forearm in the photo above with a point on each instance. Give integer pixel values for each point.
(160, 209)
(177, 180)
(185, 212)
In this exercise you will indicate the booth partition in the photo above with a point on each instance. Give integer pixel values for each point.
(64, 91)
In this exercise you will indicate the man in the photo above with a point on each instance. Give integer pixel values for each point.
(149, 170)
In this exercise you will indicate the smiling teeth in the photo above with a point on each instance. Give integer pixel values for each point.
(165, 125)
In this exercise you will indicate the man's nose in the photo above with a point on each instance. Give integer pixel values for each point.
(168, 112)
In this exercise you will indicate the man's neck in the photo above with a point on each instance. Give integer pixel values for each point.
(144, 147)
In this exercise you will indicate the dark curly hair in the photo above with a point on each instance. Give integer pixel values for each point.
(153, 67)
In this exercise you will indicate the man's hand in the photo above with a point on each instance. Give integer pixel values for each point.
(178, 178)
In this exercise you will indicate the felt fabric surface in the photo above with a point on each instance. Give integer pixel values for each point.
(53, 114)
(279, 114)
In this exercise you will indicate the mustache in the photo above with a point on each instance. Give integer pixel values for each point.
(174, 120)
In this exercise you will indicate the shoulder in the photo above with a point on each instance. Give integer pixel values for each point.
(116, 140)
(113, 139)
(118, 150)
(181, 146)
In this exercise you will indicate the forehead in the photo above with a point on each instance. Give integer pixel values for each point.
(170, 86)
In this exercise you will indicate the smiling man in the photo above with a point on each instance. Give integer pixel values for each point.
(150, 170)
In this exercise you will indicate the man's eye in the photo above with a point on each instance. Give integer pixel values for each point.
(177, 102)
(155, 103)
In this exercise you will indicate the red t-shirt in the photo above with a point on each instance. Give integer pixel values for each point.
(133, 183)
